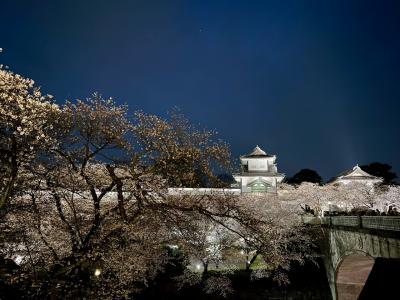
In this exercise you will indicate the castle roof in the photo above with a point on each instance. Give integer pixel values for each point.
(257, 152)
(356, 173)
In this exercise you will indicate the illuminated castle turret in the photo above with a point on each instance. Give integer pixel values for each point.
(356, 175)
(258, 172)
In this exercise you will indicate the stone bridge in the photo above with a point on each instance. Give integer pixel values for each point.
(361, 255)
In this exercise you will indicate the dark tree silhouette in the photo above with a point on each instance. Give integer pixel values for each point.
(305, 175)
(380, 170)
(227, 179)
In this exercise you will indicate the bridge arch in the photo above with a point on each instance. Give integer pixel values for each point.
(373, 239)
(352, 273)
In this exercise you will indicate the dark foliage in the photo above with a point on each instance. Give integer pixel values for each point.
(306, 282)
(305, 175)
(380, 170)
(226, 178)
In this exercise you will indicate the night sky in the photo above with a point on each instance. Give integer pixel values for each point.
(315, 82)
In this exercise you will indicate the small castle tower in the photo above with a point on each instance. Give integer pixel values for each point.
(356, 175)
(258, 172)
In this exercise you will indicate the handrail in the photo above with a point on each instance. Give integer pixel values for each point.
(390, 223)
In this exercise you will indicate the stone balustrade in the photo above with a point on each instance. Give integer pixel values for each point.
(391, 223)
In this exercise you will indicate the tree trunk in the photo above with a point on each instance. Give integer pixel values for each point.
(205, 269)
(8, 190)
(250, 262)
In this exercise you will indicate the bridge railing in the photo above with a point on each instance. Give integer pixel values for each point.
(353, 221)
(370, 222)
(384, 223)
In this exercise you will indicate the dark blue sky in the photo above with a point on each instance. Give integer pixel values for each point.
(315, 82)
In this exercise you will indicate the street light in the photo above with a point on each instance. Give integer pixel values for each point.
(97, 272)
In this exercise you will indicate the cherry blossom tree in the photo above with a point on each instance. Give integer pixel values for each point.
(25, 122)
(179, 151)
(308, 197)
(281, 238)
(387, 196)
(338, 197)
(97, 214)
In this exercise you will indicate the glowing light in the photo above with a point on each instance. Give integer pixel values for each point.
(18, 259)
(198, 266)
(97, 272)
(242, 252)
